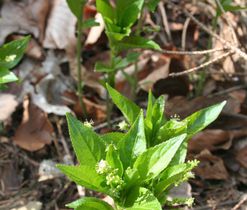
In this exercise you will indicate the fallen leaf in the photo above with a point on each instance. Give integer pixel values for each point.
(8, 104)
(210, 166)
(60, 31)
(29, 17)
(96, 31)
(32, 205)
(214, 139)
(35, 130)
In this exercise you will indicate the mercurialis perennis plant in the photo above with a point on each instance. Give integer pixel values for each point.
(136, 168)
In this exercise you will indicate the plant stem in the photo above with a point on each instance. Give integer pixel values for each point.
(79, 60)
(111, 82)
(135, 78)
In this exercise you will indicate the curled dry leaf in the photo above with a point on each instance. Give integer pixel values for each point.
(60, 32)
(8, 104)
(211, 166)
(35, 130)
(96, 31)
(24, 16)
(213, 139)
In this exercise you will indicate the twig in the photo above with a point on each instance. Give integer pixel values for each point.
(104, 125)
(200, 66)
(229, 90)
(240, 203)
(200, 52)
(184, 33)
(209, 31)
(164, 19)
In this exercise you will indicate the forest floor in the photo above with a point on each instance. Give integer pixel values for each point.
(33, 129)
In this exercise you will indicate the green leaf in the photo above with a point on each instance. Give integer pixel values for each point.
(133, 143)
(11, 53)
(6, 76)
(152, 4)
(128, 12)
(201, 119)
(129, 109)
(112, 158)
(106, 10)
(112, 138)
(88, 146)
(100, 67)
(142, 199)
(120, 63)
(153, 161)
(135, 42)
(174, 175)
(89, 203)
(131, 178)
(85, 176)
(76, 7)
(154, 120)
(90, 23)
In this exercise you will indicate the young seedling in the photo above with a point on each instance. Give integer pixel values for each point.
(10, 55)
(77, 8)
(137, 168)
(119, 19)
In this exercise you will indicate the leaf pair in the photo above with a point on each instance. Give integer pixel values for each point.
(118, 22)
(10, 55)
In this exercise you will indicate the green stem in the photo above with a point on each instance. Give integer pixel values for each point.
(111, 82)
(79, 60)
(135, 80)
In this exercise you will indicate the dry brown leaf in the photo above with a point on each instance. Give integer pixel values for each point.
(241, 156)
(24, 16)
(8, 104)
(60, 31)
(161, 72)
(35, 130)
(211, 166)
(213, 139)
(96, 31)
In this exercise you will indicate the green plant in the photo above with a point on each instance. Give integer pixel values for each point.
(137, 168)
(77, 7)
(10, 55)
(119, 19)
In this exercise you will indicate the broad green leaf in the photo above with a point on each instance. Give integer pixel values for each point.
(142, 199)
(133, 143)
(11, 53)
(130, 9)
(129, 109)
(100, 67)
(131, 178)
(201, 119)
(152, 4)
(181, 154)
(88, 146)
(106, 10)
(171, 128)
(135, 42)
(153, 161)
(76, 7)
(89, 203)
(154, 121)
(6, 76)
(85, 176)
(174, 175)
(192, 124)
(112, 158)
(112, 137)
(120, 63)
(90, 23)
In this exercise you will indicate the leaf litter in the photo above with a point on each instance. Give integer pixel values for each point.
(31, 121)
